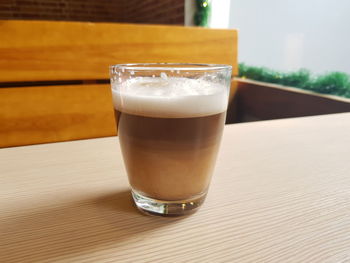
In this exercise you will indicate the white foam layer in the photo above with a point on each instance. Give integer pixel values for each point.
(169, 97)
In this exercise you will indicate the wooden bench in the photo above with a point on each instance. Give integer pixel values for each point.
(54, 75)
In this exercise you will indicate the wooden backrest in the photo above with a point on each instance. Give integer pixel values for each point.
(50, 72)
(37, 50)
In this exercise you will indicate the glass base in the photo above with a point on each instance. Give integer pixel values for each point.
(167, 208)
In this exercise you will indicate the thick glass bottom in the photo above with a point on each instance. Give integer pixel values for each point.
(167, 208)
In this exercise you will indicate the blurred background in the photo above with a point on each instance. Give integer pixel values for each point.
(282, 35)
(289, 58)
(129, 11)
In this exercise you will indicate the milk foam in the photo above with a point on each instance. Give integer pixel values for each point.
(169, 97)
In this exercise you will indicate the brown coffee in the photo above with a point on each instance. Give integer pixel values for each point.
(169, 131)
(169, 158)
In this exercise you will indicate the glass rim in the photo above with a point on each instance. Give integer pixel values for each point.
(170, 66)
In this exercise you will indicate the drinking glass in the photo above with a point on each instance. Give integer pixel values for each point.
(170, 119)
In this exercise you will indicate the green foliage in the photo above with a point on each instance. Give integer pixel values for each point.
(300, 78)
(202, 15)
(347, 94)
(335, 83)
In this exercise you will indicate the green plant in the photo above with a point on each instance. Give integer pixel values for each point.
(202, 15)
(300, 78)
(335, 83)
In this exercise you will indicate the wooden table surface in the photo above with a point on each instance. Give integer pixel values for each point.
(280, 193)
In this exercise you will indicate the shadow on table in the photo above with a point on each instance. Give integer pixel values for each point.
(76, 229)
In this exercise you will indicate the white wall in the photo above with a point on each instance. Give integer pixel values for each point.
(293, 34)
(220, 14)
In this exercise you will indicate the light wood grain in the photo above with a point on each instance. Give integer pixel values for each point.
(280, 193)
(47, 50)
(31, 115)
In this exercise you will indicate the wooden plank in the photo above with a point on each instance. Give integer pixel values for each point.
(264, 101)
(280, 193)
(46, 50)
(31, 115)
